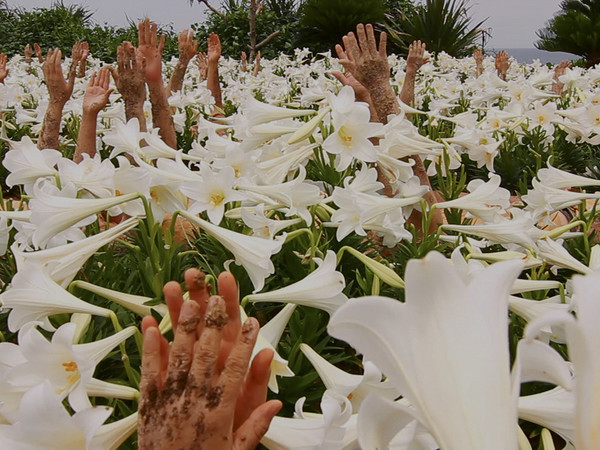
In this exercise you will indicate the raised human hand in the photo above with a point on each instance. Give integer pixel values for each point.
(60, 90)
(502, 64)
(97, 92)
(199, 389)
(151, 48)
(187, 46)
(214, 48)
(202, 62)
(559, 70)
(130, 76)
(28, 53)
(3, 69)
(347, 79)
(257, 64)
(362, 58)
(79, 54)
(478, 57)
(416, 56)
(38, 52)
(244, 58)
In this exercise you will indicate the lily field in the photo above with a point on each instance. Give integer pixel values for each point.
(481, 333)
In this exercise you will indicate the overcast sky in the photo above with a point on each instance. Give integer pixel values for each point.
(512, 23)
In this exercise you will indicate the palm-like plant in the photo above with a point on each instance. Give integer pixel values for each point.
(324, 22)
(575, 29)
(443, 25)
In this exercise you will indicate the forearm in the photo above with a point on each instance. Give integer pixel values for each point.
(86, 139)
(176, 81)
(161, 114)
(51, 126)
(213, 83)
(407, 95)
(136, 110)
(384, 100)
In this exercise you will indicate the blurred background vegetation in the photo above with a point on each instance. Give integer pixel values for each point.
(277, 26)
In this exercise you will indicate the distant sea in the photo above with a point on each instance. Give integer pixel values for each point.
(527, 55)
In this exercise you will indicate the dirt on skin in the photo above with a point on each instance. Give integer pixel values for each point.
(216, 316)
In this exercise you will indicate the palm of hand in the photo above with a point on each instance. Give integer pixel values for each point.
(153, 61)
(59, 89)
(95, 99)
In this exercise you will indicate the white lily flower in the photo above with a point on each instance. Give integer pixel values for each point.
(135, 303)
(26, 163)
(65, 261)
(296, 195)
(42, 423)
(352, 130)
(582, 336)
(553, 409)
(33, 296)
(263, 227)
(53, 214)
(554, 253)
(112, 435)
(90, 175)
(258, 112)
(212, 193)
(355, 387)
(464, 329)
(334, 429)
(559, 179)
(253, 253)
(543, 199)
(321, 289)
(125, 138)
(269, 336)
(519, 230)
(486, 199)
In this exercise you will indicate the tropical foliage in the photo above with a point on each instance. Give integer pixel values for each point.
(443, 25)
(323, 22)
(574, 29)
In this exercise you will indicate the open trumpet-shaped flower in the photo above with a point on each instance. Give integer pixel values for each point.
(44, 424)
(253, 253)
(445, 349)
(65, 261)
(583, 336)
(53, 214)
(320, 289)
(33, 295)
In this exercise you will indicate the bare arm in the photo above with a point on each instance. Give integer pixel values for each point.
(414, 61)
(213, 82)
(478, 56)
(95, 99)
(60, 91)
(151, 48)
(81, 50)
(502, 64)
(3, 69)
(559, 70)
(130, 81)
(187, 49)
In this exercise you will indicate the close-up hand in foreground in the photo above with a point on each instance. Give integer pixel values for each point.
(200, 390)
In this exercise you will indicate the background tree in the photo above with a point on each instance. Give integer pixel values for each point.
(61, 26)
(274, 25)
(324, 22)
(444, 25)
(574, 29)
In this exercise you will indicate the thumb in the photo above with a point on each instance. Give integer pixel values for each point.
(249, 434)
